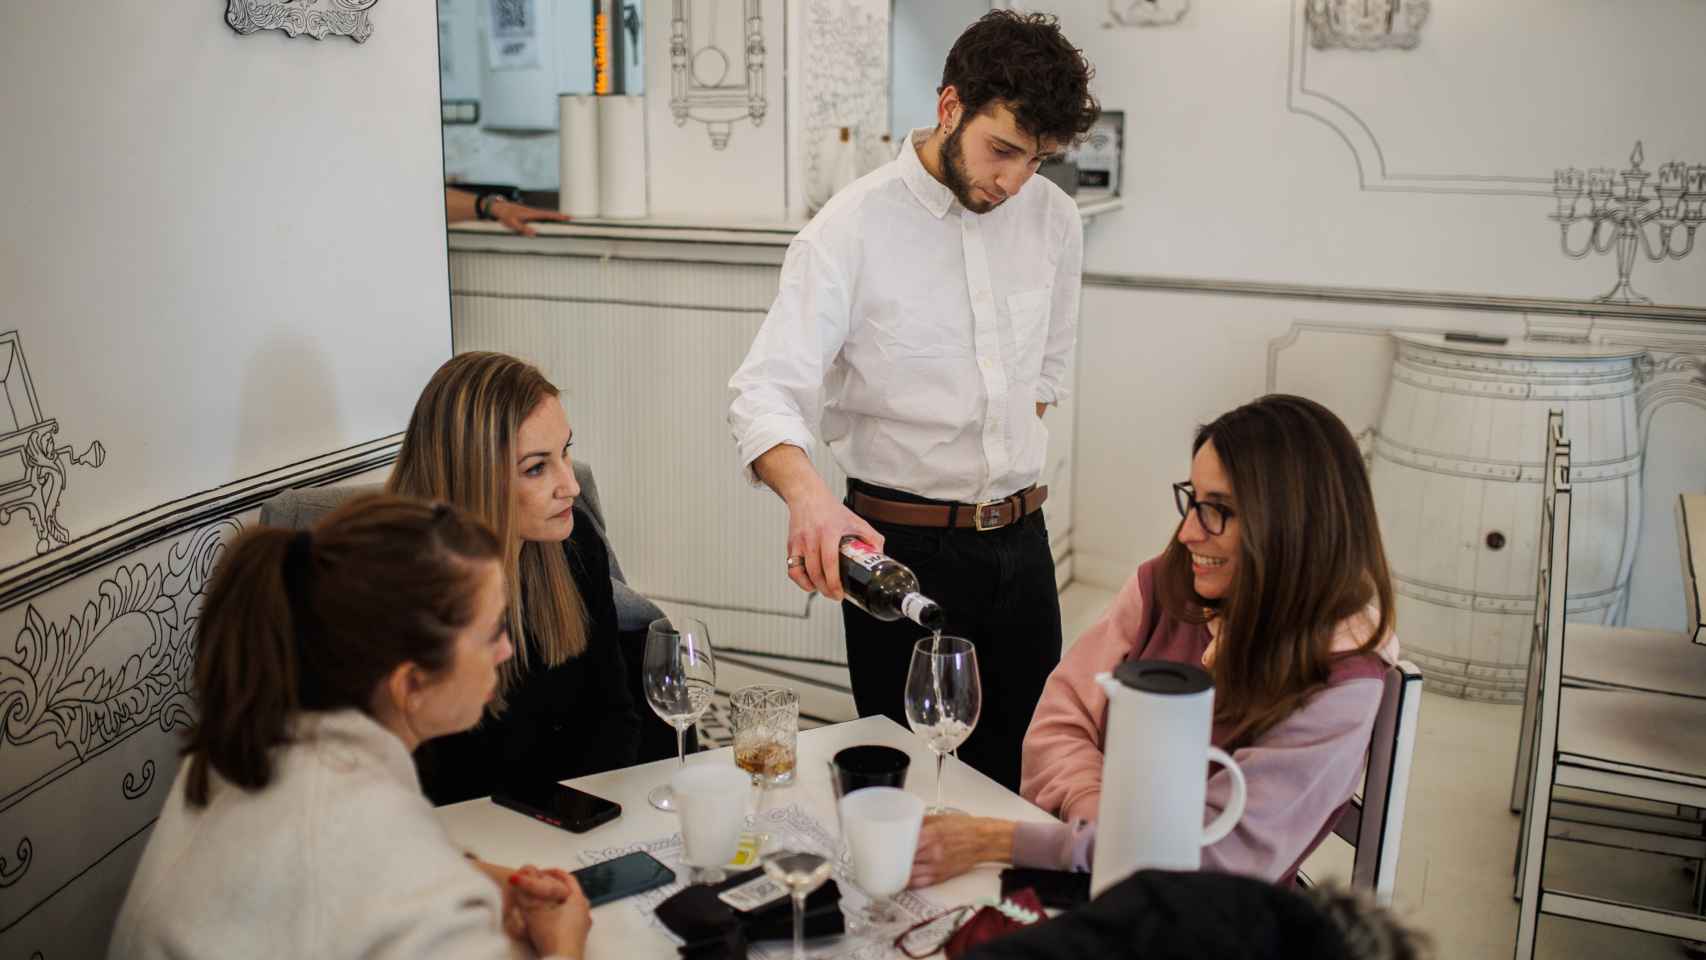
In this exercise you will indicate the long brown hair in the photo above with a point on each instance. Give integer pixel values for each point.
(460, 447)
(1309, 557)
(300, 621)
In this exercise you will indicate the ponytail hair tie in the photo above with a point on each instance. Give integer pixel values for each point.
(297, 572)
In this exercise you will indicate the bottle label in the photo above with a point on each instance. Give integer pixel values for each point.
(861, 553)
(912, 606)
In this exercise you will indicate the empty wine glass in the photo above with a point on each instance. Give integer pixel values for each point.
(800, 872)
(943, 698)
(679, 674)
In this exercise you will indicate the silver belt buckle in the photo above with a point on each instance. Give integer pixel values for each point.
(989, 508)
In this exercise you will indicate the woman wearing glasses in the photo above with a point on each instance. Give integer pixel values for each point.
(1276, 582)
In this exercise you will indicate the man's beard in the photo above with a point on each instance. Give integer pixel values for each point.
(954, 174)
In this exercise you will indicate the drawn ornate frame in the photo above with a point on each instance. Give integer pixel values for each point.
(315, 18)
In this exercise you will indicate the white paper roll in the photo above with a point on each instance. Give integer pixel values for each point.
(622, 157)
(577, 176)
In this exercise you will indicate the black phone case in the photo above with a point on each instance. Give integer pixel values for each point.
(661, 880)
(1060, 889)
(574, 826)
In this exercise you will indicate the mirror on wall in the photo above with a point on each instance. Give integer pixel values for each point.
(502, 65)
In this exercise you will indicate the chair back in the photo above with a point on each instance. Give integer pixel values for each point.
(1539, 736)
(1555, 441)
(1373, 822)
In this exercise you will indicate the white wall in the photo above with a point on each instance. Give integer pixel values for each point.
(924, 30)
(224, 261)
(1254, 157)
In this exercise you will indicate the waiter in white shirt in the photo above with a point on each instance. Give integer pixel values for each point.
(925, 321)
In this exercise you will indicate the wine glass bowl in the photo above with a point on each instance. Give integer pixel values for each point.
(944, 695)
(799, 872)
(679, 673)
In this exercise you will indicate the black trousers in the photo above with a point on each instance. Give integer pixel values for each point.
(997, 589)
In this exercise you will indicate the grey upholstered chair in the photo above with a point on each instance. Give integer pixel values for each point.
(297, 509)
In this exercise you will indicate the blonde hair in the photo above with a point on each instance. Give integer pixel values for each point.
(460, 447)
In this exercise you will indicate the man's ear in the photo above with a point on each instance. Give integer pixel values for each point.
(949, 109)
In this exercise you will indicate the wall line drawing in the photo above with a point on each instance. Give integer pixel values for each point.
(315, 18)
(35, 470)
(704, 83)
(1677, 200)
(1372, 170)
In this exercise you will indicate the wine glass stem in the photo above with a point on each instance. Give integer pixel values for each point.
(939, 758)
(680, 744)
(799, 925)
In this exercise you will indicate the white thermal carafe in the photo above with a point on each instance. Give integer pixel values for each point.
(1155, 772)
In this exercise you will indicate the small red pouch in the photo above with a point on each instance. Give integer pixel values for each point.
(986, 924)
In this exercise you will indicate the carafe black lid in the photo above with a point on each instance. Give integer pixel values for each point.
(1163, 676)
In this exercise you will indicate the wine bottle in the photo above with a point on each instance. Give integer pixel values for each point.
(883, 586)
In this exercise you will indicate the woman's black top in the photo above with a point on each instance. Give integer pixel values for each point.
(566, 721)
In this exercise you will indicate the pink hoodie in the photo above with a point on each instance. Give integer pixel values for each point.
(1300, 773)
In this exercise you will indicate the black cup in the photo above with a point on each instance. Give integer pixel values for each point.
(868, 765)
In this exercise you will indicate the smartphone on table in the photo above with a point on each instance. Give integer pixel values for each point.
(559, 806)
(623, 876)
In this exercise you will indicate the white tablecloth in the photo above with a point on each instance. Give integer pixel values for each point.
(619, 932)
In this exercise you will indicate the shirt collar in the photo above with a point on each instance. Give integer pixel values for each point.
(931, 194)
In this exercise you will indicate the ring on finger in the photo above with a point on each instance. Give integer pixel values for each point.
(796, 561)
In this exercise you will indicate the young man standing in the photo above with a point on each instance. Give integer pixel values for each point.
(925, 320)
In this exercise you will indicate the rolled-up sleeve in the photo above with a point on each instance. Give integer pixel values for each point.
(778, 390)
(1053, 384)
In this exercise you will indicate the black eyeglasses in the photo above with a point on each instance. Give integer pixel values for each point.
(1211, 515)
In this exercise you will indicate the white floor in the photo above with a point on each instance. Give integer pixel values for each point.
(1459, 839)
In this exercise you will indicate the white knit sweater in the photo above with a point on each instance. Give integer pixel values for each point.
(339, 856)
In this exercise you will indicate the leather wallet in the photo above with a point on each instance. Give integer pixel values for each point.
(712, 929)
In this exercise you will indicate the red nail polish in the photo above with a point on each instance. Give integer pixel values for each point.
(514, 880)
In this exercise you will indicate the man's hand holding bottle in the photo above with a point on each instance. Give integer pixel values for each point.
(817, 521)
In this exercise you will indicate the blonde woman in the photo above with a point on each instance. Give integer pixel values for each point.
(489, 435)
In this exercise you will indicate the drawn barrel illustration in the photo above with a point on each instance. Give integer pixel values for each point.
(1457, 479)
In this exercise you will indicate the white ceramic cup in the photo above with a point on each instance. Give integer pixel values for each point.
(881, 827)
(711, 800)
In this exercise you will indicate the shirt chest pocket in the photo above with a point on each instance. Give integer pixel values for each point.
(1029, 314)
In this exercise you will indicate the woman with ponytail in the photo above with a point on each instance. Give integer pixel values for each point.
(489, 434)
(296, 823)
(1275, 581)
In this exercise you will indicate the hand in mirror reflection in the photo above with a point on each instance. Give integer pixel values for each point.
(461, 205)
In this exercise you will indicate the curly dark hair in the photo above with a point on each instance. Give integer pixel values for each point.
(1022, 60)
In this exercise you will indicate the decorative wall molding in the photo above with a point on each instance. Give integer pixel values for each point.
(1381, 296)
(699, 70)
(22, 581)
(1146, 13)
(314, 18)
(1373, 172)
(1366, 24)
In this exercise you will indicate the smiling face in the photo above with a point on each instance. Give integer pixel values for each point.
(1214, 556)
(544, 483)
(987, 158)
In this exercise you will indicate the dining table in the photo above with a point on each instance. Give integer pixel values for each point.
(627, 930)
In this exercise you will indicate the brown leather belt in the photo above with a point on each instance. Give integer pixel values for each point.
(988, 515)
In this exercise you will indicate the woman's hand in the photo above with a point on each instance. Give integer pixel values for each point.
(548, 910)
(949, 846)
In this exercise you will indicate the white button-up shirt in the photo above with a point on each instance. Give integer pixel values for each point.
(916, 337)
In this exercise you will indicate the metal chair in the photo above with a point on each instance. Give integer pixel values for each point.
(1627, 658)
(1635, 744)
